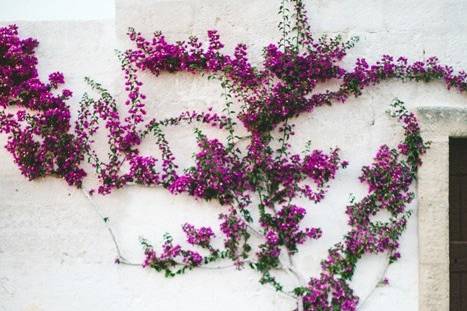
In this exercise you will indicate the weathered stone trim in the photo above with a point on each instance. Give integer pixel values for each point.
(438, 124)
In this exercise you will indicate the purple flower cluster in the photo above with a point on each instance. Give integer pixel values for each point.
(284, 229)
(142, 170)
(255, 176)
(329, 293)
(388, 67)
(284, 86)
(235, 231)
(201, 236)
(41, 139)
(217, 174)
(125, 132)
(389, 179)
(172, 260)
(278, 91)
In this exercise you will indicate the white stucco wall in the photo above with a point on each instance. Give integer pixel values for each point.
(56, 255)
(46, 10)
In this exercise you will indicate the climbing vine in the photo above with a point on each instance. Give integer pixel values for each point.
(253, 173)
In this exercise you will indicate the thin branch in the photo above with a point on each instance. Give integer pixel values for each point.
(106, 220)
(380, 280)
(120, 258)
(300, 279)
(253, 230)
(300, 303)
(204, 267)
(292, 269)
(288, 295)
(127, 263)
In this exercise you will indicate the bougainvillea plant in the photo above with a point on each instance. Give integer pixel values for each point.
(252, 173)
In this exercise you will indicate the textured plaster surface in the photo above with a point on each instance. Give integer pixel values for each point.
(33, 10)
(56, 255)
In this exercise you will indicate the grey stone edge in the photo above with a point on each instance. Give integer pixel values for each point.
(437, 124)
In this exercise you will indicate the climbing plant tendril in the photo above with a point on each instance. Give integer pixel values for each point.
(253, 173)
